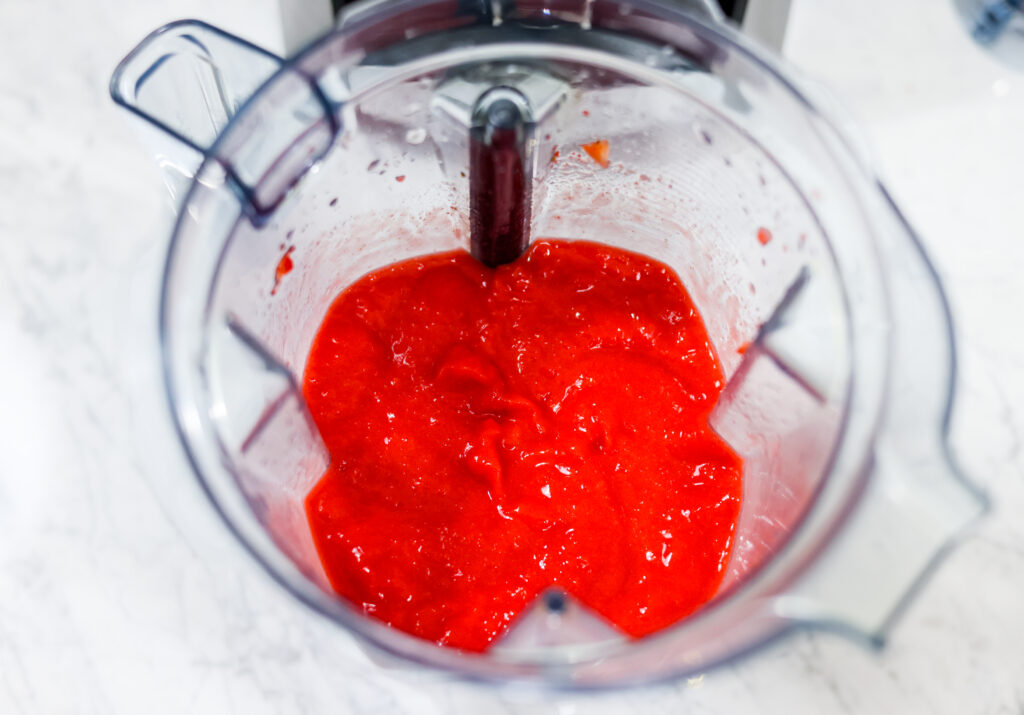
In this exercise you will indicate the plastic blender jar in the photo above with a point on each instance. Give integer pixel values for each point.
(834, 335)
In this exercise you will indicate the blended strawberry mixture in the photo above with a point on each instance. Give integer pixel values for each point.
(496, 432)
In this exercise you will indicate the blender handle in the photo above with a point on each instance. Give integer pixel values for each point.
(185, 81)
(916, 503)
(911, 514)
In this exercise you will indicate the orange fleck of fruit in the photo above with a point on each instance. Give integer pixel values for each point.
(598, 151)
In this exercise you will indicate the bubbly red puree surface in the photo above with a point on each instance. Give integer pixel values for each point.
(494, 433)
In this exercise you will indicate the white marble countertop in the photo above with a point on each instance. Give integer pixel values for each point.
(121, 592)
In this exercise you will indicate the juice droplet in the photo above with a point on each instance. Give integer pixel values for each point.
(764, 236)
(400, 179)
(284, 267)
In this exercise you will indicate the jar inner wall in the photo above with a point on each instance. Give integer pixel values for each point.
(685, 185)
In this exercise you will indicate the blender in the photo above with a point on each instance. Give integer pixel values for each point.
(420, 126)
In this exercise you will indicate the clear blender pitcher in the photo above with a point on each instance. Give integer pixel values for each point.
(293, 178)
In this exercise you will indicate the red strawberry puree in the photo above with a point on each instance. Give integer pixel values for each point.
(494, 433)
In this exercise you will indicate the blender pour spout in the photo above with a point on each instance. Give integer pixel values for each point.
(501, 151)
